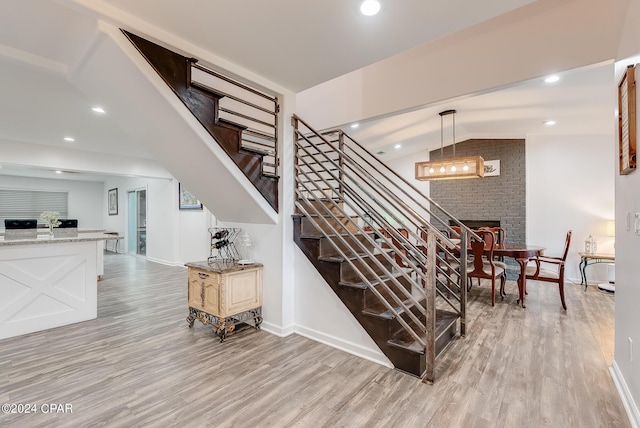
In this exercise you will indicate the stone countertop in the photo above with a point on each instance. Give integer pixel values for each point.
(221, 266)
(45, 239)
(45, 231)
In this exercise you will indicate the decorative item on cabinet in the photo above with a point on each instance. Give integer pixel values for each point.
(246, 250)
(223, 247)
(225, 295)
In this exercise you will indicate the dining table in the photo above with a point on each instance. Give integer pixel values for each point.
(521, 253)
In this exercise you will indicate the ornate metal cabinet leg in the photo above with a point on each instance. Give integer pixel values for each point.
(258, 321)
(222, 331)
(257, 317)
(192, 317)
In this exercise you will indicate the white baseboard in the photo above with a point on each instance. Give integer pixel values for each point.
(351, 348)
(276, 329)
(165, 262)
(627, 399)
(334, 342)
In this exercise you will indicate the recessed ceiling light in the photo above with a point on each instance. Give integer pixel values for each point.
(397, 146)
(552, 79)
(549, 122)
(355, 125)
(58, 172)
(70, 139)
(98, 109)
(370, 7)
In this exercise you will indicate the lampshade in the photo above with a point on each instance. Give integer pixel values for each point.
(451, 168)
(611, 228)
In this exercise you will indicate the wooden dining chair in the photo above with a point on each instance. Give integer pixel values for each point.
(399, 247)
(499, 236)
(499, 233)
(483, 265)
(553, 274)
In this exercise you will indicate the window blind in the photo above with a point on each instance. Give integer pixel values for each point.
(25, 204)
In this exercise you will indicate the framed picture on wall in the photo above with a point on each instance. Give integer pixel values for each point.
(492, 168)
(186, 200)
(627, 121)
(112, 201)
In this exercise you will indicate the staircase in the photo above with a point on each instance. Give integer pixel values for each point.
(241, 119)
(382, 246)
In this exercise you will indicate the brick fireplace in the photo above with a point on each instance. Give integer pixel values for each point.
(499, 199)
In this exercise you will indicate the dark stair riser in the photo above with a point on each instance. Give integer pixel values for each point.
(446, 331)
(442, 322)
(372, 302)
(328, 225)
(327, 245)
(365, 266)
(321, 205)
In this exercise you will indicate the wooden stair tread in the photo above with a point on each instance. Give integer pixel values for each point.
(378, 309)
(402, 339)
(222, 121)
(319, 235)
(258, 151)
(340, 259)
(338, 216)
(362, 285)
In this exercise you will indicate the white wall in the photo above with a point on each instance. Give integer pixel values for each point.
(193, 234)
(174, 236)
(570, 187)
(85, 197)
(320, 315)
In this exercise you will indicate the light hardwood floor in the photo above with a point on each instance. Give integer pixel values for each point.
(139, 365)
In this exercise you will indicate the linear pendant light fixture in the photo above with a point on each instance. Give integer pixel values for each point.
(451, 168)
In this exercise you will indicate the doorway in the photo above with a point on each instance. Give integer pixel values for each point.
(137, 222)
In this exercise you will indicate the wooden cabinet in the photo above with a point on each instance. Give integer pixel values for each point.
(225, 295)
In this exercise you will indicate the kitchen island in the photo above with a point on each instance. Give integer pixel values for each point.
(48, 282)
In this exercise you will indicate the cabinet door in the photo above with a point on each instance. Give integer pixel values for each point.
(196, 299)
(203, 291)
(242, 291)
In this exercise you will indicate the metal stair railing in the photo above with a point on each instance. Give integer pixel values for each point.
(371, 198)
(250, 108)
